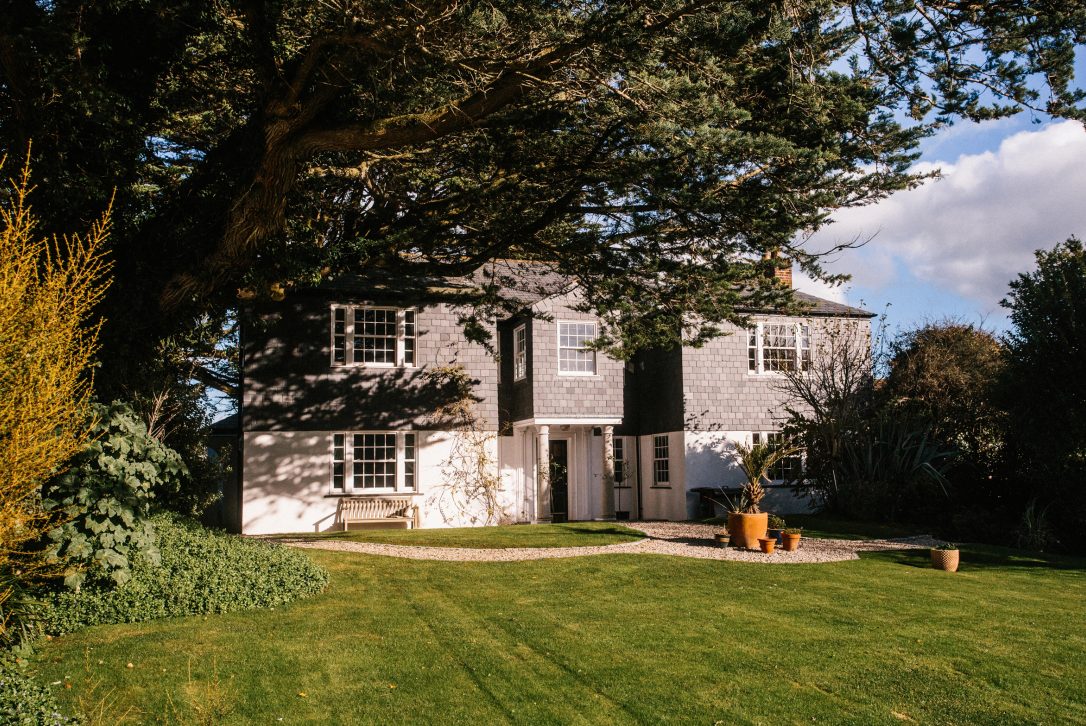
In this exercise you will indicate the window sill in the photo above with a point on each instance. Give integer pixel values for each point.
(376, 366)
(339, 495)
(573, 374)
(660, 486)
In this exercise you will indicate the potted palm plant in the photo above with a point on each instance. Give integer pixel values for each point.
(747, 523)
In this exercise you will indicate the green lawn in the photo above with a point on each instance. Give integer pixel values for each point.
(615, 639)
(820, 525)
(572, 534)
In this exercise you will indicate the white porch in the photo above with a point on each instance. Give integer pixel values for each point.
(578, 457)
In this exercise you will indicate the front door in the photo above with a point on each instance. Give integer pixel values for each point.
(559, 480)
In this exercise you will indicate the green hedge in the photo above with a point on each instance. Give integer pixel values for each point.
(200, 571)
(23, 701)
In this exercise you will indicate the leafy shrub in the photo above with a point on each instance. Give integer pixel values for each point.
(23, 701)
(107, 494)
(200, 571)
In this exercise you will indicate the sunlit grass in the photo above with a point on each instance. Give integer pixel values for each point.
(618, 639)
(572, 534)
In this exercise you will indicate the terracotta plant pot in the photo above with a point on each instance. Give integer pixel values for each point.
(747, 529)
(722, 538)
(767, 544)
(791, 542)
(945, 560)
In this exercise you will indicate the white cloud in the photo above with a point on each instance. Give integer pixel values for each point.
(976, 228)
(818, 288)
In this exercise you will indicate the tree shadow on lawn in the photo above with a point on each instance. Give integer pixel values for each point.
(985, 557)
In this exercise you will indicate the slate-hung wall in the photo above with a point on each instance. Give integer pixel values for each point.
(559, 395)
(291, 384)
(514, 396)
(720, 393)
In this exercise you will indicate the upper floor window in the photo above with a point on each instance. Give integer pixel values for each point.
(574, 355)
(778, 347)
(372, 336)
(520, 352)
(373, 462)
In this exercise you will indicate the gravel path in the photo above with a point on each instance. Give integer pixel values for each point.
(661, 538)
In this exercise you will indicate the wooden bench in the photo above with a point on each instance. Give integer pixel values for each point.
(369, 510)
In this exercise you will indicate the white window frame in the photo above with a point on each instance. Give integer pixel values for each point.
(348, 461)
(658, 483)
(405, 318)
(622, 461)
(773, 437)
(558, 339)
(520, 352)
(802, 349)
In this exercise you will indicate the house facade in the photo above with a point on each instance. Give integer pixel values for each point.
(351, 391)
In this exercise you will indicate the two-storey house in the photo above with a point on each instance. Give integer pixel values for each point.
(345, 395)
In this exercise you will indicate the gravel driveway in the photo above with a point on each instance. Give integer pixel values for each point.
(661, 538)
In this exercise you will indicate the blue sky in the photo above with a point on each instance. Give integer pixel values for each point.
(949, 248)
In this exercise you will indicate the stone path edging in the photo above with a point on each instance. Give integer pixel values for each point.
(661, 538)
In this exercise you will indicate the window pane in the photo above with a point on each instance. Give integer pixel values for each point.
(337, 461)
(374, 461)
(574, 355)
(520, 353)
(660, 455)
(778, 347)
(620, 462)
(339, 337)
(409, 461)
(409, 338)
(374, 335)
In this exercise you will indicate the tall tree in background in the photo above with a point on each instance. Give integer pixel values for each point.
(947, 375)
(654, 150)
(1045, 389)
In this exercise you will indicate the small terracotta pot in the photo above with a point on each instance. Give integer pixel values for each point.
(746, 529)
(791, 542)
(945, 560)
(722, 538)
(767, 544)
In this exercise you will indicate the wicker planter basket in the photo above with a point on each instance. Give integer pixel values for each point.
(945, 560)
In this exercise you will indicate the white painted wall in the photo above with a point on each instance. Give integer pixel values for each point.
(664, 502)
(709, 463)
(287, 478)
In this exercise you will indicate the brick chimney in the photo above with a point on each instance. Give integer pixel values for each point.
(783, 274)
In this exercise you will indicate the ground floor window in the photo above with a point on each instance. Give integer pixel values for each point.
(790, 468)
(661, 454)
(373, 462)
(621, 469)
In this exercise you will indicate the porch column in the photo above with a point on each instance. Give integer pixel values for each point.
(607, 493)
(543, 474)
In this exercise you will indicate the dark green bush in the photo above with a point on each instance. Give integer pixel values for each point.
(201, 571)
(24, 701)
(107, 494)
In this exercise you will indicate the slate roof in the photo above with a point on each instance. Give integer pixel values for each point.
(812, 305)
(527, 282)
